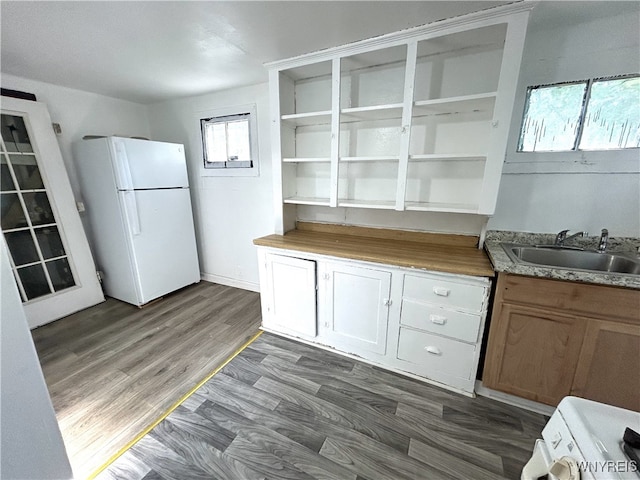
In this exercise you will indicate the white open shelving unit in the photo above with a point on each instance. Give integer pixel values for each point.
(414, 120)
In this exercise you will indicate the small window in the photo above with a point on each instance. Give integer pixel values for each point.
(597, 114)
(226, 141)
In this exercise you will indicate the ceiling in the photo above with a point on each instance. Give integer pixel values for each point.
(151, 51)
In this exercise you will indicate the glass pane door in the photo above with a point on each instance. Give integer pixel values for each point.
(37, 249)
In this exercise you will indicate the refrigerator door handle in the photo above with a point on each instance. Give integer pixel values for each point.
(131, 211)
(122, 166)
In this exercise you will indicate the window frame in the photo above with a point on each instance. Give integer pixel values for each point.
(619, 161)
(588, 83)
(226, 114)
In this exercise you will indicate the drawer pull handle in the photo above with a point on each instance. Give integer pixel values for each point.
(433, 350)
(438, 319)
(441, 291)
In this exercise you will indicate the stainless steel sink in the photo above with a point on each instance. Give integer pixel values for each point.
(572, 259)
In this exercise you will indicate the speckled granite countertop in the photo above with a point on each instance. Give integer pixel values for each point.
(502, 263)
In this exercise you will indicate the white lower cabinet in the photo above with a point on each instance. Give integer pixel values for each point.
(353, 307)
(425, 324)
(440, 327)
(440, 321)
(289, 295)
(436, 356)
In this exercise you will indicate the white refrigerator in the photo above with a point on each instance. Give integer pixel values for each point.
(138, 208)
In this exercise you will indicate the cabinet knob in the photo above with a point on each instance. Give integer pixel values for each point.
(433, 350)
(438, 319)
(441, 291)
(387, 302)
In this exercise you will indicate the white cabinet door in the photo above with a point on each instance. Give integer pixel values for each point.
(290, 295)
(355, 306)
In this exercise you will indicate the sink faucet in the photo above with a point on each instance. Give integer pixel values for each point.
(561, 237)
(604, 239)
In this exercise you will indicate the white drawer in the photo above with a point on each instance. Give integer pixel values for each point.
(443, 321)
(436, 353)
(442, 292)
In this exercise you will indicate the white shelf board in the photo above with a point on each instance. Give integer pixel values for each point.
(480, 102)
(306, 160)
(323, 201)
(441, 207)
(379, 204)
(446, 157)
(370, 159)
(310, 118)
(374, 112)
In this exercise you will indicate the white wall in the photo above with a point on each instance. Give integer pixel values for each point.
(31, 445)
(553, 191)
(229, 211)
(82, 113)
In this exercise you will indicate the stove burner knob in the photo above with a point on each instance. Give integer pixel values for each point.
(565, 468)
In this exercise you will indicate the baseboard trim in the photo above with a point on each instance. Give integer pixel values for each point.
(231, 282)
(530, 405)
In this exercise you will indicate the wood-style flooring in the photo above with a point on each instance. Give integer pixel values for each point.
(112, 370)
(285, 410)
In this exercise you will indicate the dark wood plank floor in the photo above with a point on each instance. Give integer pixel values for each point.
(285, 410)
(112, 370)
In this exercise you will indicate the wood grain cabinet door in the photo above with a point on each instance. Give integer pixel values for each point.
(533, 353)
(609, 366)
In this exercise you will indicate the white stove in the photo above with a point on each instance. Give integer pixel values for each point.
(583, 440)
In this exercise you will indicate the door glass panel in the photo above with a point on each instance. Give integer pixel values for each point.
(6, 182)
(39, 208)
(22, 247)
(14, 134)
(50, 242)
(24, 204)
(60, 273)
(34, 281)
(27, 172)
(12, 213)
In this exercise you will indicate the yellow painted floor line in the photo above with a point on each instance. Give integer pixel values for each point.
(171, 409)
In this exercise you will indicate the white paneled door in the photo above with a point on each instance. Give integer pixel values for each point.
(290, 297)
(50, 256)
(356, 303)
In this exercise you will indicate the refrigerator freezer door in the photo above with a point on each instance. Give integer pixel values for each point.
(163, 250)
(143, 164)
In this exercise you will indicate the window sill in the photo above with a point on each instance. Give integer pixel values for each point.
(610, 161)
(230, 172)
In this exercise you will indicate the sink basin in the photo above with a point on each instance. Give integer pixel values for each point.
(572, 259)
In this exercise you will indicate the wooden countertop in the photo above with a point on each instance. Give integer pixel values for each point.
(435, 252)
